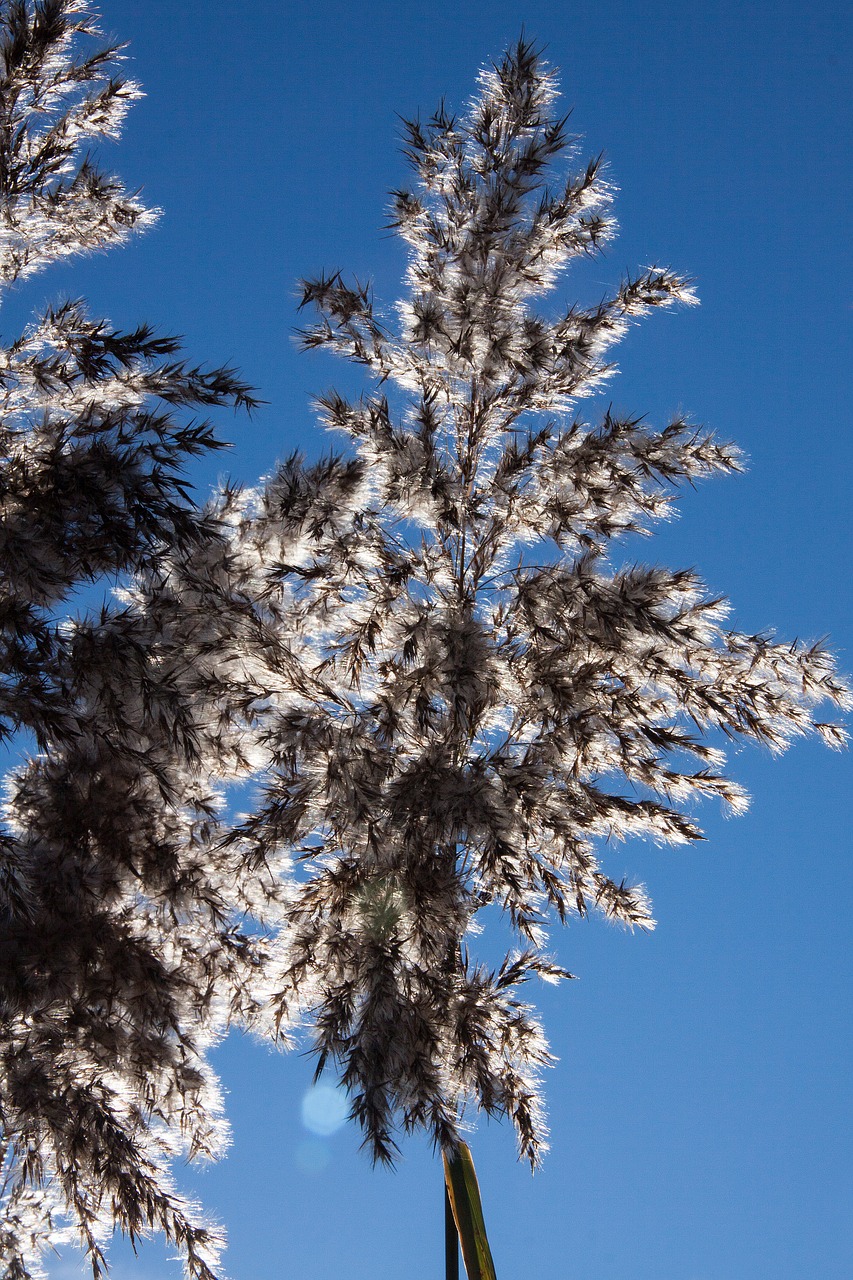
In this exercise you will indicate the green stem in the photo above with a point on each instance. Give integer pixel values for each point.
(464, 1193)
(451, 1240)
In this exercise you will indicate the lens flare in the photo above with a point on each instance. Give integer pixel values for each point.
(325, 1109)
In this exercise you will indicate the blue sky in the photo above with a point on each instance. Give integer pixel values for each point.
(701, 1107)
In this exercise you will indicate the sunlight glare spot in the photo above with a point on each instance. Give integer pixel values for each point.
(324, 1109)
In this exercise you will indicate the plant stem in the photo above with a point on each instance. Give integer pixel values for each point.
(451, 1241)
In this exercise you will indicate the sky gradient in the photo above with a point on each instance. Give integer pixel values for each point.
(701, 1106)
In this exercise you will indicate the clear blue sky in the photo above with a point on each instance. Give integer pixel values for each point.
(701, 1107)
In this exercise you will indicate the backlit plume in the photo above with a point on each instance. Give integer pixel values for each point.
(485, 700)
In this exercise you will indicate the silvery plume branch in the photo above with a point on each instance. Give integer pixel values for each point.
(121, 954)
(486, 699)
(55, 101)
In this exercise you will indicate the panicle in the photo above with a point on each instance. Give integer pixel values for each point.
(121, 958)
(495, 703)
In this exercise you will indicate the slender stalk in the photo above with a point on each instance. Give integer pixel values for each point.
(451, 1240)
(463, 1191)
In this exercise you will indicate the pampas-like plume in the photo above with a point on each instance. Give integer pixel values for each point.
(117, 940)
(485, 700)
